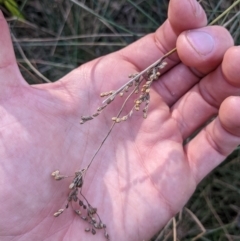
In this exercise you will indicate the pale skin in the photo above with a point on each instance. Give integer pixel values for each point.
(143, 175)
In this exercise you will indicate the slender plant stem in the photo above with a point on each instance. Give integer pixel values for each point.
(29, 63)
(225, 12)
(231, 19)
(110, 130)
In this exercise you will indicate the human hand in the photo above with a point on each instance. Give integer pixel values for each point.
(143, 175)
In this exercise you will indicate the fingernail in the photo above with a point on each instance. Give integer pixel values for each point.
(201, 42)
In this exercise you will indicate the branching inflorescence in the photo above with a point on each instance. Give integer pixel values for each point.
(85, 211)
(140, 85)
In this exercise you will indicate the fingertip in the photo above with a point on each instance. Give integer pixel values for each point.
(186, 14)
(204, 48)
(229, 113)
(230, 66)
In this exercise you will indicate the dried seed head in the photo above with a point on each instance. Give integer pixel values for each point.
(94, 220)
(96, 225)
(59, 177)
(110, 100)
(130, 113)
(86, 118)
(118, 120)
(114, 118)
(71, 186)
(95, 114)
(93, 231)
(78, 180)
(78, 212)
(106, 235)
(124, 118)
(101, 108)
(56, 214)
(92, 210)
(104, 94)
(80, 202)
(162, 65)
(55, 173)
(87, 229)
(60, 211)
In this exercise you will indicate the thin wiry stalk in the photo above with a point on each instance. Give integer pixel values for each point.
(61, 28)
(231, 19)
(174, 229)
(21, 40)
(217, 218)
(198, 222)
(106, 21)
(225, 12)
(29, 64)
(110, 130)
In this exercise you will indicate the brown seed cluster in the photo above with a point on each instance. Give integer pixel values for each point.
(143, 92)
(136, 80)
(85, 211)
(57, 176)
(99, 109)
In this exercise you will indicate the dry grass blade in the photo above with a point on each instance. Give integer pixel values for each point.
(29, 63)
(106, 22)
(174, 229)
(217, 217)
(194, 217)
(231, 19)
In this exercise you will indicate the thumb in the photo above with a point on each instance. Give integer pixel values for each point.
(203, 49)
(9, 72)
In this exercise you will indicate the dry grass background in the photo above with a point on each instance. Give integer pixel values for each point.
(57, 36)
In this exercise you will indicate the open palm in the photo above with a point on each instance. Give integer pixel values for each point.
(143, 175)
